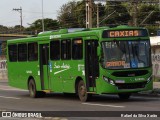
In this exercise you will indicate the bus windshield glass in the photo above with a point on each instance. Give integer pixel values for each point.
(126, 54)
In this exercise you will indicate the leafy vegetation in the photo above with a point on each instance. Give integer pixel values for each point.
(73, 15)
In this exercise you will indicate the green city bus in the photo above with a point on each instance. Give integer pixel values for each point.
(105, 60)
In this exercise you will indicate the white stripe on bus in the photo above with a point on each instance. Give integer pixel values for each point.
(60, 71)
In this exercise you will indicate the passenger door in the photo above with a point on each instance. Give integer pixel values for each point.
(91, 64)
(44, 70)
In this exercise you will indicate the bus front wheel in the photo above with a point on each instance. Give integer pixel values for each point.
(82, 92)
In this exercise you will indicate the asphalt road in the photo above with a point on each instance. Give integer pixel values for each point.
(12, 99)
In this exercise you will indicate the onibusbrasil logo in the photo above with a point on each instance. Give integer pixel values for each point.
(21, 115)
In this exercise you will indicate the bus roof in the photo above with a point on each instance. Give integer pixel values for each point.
(71, 31)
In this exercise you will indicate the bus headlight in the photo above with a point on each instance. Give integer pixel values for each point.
(108, 80)
(149, 79)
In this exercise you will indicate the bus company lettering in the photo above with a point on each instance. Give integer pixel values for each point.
(66, 66)
(62, 68)
(81, 68)
(124, 33)
(55, 36)
(28, 71)
(115, 63)
(139, 79)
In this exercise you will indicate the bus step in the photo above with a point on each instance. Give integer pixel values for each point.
(47, 91)
(91, 92)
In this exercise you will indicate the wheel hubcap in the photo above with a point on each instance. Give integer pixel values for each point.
(82, 91)
(32, 89)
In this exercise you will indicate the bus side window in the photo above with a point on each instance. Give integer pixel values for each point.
(55, 50)
(77, 49)
(12, 49)
(22, 52)
(32, 51)
(66, 49)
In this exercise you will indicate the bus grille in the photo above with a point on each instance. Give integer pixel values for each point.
(131, 85)
(130, 73)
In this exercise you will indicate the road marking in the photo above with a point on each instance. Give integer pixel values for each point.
(146, 97)
(8, 88)
(12, 89)
(103, 105)
(9, 97)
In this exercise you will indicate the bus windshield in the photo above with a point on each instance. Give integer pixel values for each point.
(125, 54)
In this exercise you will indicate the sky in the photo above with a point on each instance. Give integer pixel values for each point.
(31, 11)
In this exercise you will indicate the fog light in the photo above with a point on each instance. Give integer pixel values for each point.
(112, 82)
(106, 79)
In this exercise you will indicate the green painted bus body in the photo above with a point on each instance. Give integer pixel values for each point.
(61, 75)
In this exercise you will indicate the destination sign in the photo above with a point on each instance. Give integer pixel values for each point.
(115, 63)
(124, 33)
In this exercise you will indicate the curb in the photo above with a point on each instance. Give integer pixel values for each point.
(152, 93)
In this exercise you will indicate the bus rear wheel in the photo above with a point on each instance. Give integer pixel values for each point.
(124, 96)
(82, 92)
(32, 90)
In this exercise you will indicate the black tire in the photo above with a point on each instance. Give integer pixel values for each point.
(32, 90)
(124, 96)
(69, 94)
(41, 94)
(82, 92)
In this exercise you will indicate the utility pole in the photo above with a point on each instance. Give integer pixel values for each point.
(159, 11)
(159, 5)
(42, 18)
(20, 11)
(88, 13)
(135, 4)
(98, 2)
(97, 15)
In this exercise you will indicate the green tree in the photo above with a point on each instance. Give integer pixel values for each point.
(148, 16)
(80, 14)
(3, 29)
(67, 15)
(49, 24)
(73, 14)
(148, 13)
(102, 14)
(116, 13)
